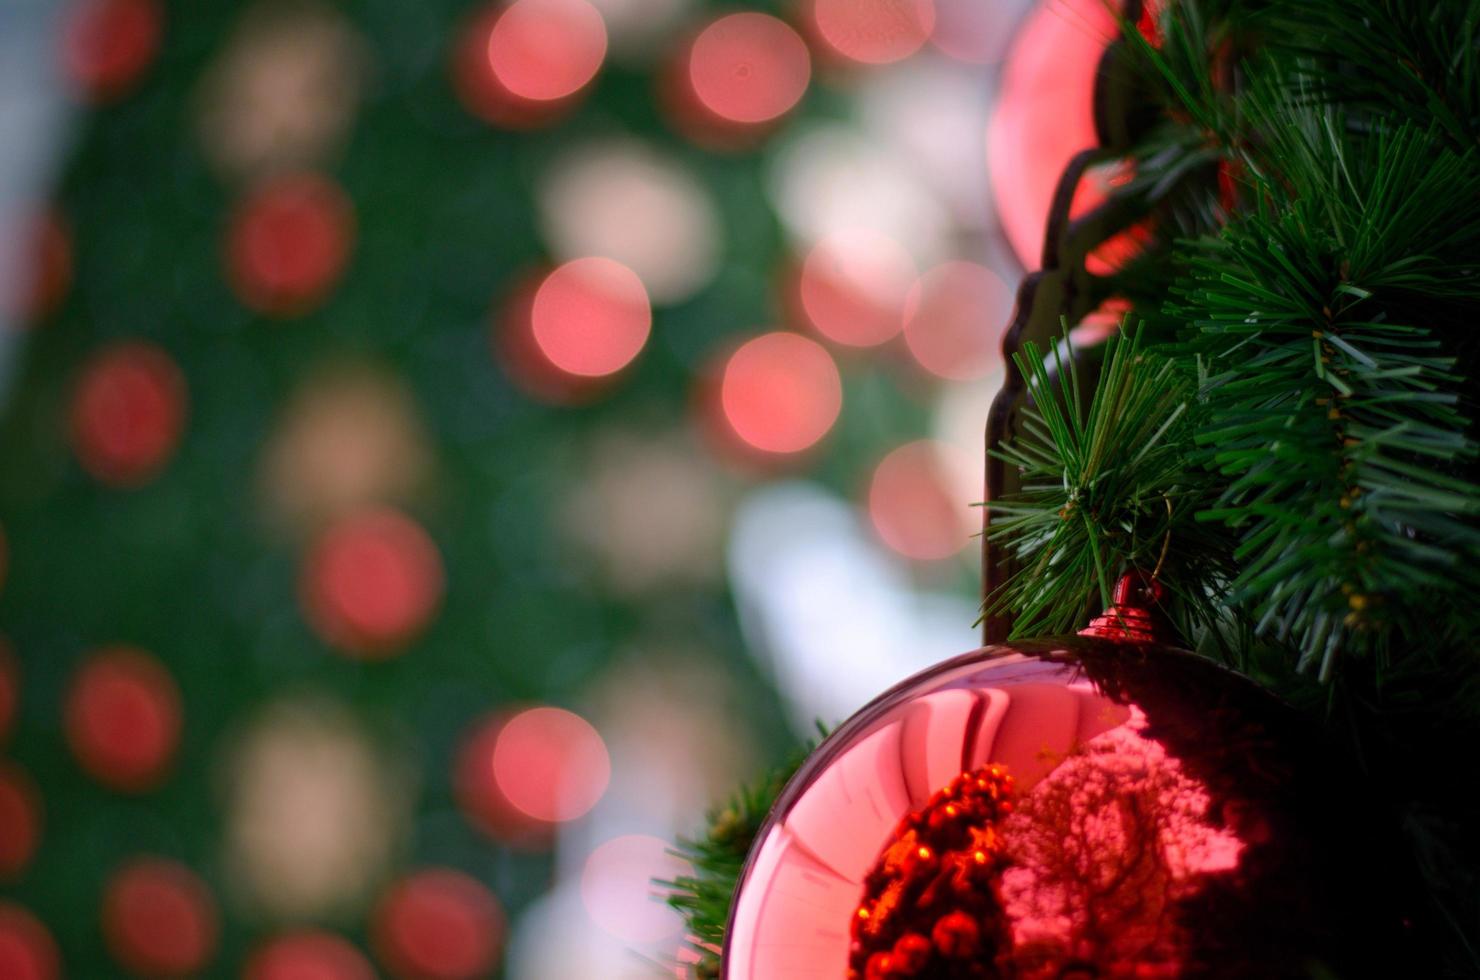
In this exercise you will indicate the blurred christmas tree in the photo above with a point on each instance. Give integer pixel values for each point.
(390, 371)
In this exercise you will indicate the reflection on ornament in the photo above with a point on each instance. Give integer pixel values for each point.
(127, 413)
(618, 890)
(626, 202)
(649, 509)
(954, 320)
(313, 814)
(871, 32)
(307, 955)
(288, 244)
(527, 63)
(20, 820)
(913, 503)
(1045, 114)
(853, 285)
(1169, 819)
(371, 583)
(438, 924)
(107, 44)
(27, 951)
(350, 437)
(159, 920)
(283, 93)
(122, 719)
(779, 394)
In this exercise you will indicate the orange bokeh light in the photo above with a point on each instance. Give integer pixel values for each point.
(780, 393)
(914, 502)
(122, 719)
(852, 287)
(159, 919)
(748, 68)
(873, 32)
(590, 317)
(438, 924)
(550, 764)
(372, 583)
(544, 50)
(955, 318)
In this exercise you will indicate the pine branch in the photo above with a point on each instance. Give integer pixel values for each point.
(1106, 487)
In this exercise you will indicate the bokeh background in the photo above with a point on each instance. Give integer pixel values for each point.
(446, 446)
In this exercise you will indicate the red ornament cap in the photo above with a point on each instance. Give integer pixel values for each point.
(1132, 614)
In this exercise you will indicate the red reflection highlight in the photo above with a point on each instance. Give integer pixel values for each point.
(853, 287)
(748, 68)
(122, 719)
(127, 412)
(618, 890)
(288, 244)
(913, 502)
(10, 670)
(27, 951)
(873, 32)
(20, 820)
(780, 393)
(371, 583)
(590, 317)
(1045, 114)
(550, 764)
(107, 44)
(1111, 255)
(954, 320)
(159, 919)
(438, 924)
(481, 800)
(542, 50)
(308, 955)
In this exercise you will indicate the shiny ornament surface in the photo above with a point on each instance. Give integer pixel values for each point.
(1155, 816)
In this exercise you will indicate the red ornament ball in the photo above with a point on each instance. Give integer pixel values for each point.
(107, 45)
(371, 583)
(127, 413)
(20, 820)
(309, 954)
(122, 719)
(438, 924)
(1167, 818)
(27, 951)
(159, 919)
(289, 243)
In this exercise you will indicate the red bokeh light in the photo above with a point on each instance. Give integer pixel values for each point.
(852, 287)
(10, 674)
(873, 32)
(972, 31)
(618, 890)
(481, 800)
(127, 413)
(1045, 114)
(309, 954)
(20, 820)
(438, 924)
(525, 361)
(544, 50)
(550, 764)
(122, 719)
(27, 951)
(371, 583)
(590, 317)
(44, 270)
(955, 318)
(159, 919)
(288, 244)
(746, 69)
(107, 44)
(914, 501)
(780, 393)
